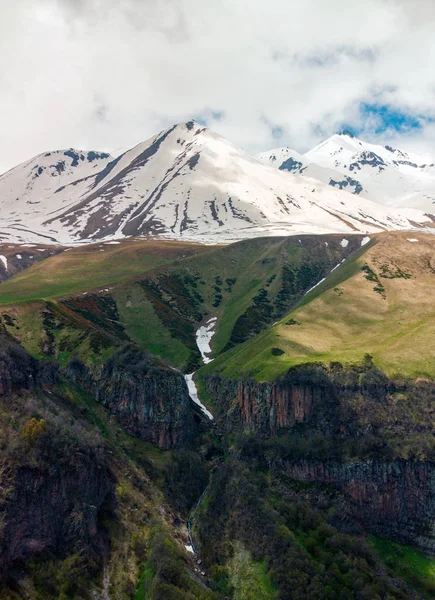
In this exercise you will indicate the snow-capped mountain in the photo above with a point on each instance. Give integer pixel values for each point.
(26, 190)
(383, 174)
(291, 161)
(186, 182)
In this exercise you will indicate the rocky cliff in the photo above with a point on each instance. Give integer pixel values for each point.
(53, 509)
(395, 499)
(55, 482)
(355, 430)
(18, 370)
(264, 408)
(151, 401)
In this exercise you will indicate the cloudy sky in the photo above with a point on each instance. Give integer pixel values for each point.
(106, 74)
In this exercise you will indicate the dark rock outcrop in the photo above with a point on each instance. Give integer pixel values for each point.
(53, 509)
(395, 499)
(368, 437)
(20, 371)
(263, 408)
(151, 402)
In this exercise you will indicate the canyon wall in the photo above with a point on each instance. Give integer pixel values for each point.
(152, 402)
(372, 443)
(395, 499)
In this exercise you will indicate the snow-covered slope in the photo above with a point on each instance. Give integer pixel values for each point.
(383, 174)
(186, 182)
(387, 175)
(27, 191)
(286, 159)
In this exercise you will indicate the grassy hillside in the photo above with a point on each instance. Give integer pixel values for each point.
(247, 286)
(62, 305)
(157, 293)
(379, 302)
(91, 267)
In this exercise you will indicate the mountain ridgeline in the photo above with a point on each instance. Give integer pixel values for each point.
(190, 183)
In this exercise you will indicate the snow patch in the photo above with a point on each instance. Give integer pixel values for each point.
(19, 256)
(203, 338)
(4, 261)
(365, 241)
(412, 240)
(193, 393)
(344, 243)
(190, 549)
(314, 286)
(336, 267)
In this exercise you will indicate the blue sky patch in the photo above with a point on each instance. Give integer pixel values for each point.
(387, 117)
(378, 118)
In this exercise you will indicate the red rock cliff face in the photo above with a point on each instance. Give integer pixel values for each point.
(274, 407)
(263, 407)
(394, 498)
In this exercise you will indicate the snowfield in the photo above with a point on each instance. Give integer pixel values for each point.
(385, 175)
(190, 183)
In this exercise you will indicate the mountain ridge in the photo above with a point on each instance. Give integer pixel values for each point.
(384, 174)
(184, 183)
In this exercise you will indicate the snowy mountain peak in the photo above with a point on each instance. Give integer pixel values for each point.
(189, 182)
(387, 175)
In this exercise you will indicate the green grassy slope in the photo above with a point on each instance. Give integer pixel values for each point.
(50, 307)
(91, 267)
(379, 302)
(247, 286)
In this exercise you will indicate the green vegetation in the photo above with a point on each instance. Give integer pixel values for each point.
(395, 324)
(167, 289)
(248, 578)
(165, 576)
(408, 563)
(253, 516)
(88, 268)
(246, 285)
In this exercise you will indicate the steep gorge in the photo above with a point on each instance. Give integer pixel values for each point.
(353, 429)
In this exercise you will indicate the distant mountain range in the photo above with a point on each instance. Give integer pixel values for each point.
(190, 183)
(383, 174)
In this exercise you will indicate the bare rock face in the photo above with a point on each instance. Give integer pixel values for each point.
(395, 498)
(264, 408)
(274, 407)
(348, 437)
(151, 402)
(53, 509)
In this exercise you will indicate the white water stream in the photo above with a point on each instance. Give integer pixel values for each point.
(193, 393)
(203, 338)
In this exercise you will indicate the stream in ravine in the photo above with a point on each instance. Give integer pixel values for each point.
(203, 336)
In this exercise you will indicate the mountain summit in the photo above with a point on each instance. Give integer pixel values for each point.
(383, 174)
(186, 182)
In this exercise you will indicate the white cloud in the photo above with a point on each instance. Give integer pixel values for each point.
(105, 74)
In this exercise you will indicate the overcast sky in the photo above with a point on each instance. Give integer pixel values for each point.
(106, 74)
